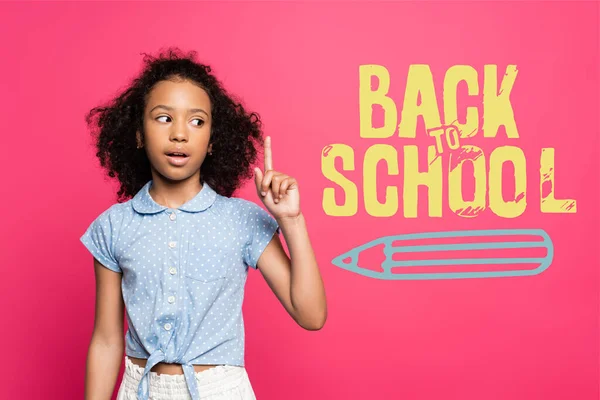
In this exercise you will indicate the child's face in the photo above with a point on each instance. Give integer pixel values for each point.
(177, 118)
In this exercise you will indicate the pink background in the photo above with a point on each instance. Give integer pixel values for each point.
(297, 65)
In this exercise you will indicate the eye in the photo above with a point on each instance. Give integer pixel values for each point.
(162, 116)
(200, 123)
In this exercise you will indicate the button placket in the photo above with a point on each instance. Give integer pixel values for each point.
(173, 229)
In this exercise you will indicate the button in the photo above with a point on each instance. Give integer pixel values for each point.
(168, 326)
(171, 299)
(172, 217)
(172, 270)
(172, 244)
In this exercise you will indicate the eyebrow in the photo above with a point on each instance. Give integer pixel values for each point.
(191, 110)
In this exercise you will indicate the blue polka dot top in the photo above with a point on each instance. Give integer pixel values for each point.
(184, 272)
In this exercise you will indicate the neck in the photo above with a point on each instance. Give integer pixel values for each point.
(174, 194)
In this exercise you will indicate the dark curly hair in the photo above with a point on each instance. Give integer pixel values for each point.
(236, 134)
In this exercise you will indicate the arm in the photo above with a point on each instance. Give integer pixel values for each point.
(107, 345)
(297, 282)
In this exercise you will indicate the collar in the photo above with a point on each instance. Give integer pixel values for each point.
(143, 203)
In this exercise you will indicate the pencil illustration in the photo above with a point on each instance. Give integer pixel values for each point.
(397, 263)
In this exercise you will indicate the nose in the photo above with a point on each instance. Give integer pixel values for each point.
(179, 133)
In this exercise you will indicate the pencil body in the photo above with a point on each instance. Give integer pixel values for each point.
(470, 240)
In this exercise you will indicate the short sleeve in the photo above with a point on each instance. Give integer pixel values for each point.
(98, 239)
(260, 227)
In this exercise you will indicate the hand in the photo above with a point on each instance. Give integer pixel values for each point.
(281, 197)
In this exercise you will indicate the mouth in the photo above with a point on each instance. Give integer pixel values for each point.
(177, 158)
(177, 154)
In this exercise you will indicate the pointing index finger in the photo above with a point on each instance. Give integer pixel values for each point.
(268, 156)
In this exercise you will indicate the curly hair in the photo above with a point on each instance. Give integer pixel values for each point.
(236, 134)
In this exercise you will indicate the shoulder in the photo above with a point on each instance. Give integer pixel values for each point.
(238, 207)
(118, 210)
(114, 214)
(243, 210)
(244, 214)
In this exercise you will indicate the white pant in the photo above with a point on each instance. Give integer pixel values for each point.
(223, 382)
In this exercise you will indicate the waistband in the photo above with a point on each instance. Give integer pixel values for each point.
(205, 382)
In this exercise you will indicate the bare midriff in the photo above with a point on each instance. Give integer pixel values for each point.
(168, 369)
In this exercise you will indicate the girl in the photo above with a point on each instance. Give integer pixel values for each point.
(174, 251)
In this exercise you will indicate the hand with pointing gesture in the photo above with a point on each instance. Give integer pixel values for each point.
(281, 196)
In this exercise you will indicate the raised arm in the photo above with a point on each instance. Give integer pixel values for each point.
(296, 282)
(107, 345)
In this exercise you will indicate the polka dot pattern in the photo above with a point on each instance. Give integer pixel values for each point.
(184, 272)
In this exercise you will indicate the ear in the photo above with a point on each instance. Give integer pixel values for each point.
(210, 148)
(139, 140)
